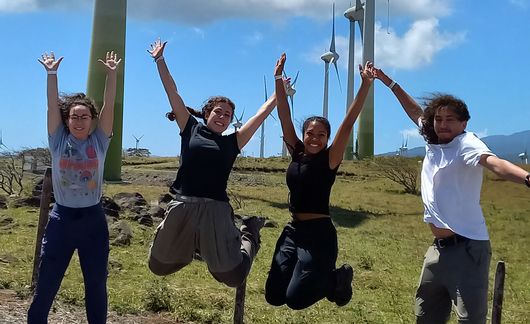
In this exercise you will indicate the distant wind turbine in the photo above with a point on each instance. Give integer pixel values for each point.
(1, 141)
(403, 149)
(237, 124)
(524, 157)
(137, 139)
(329, 57)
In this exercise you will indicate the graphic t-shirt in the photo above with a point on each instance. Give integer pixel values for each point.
(77, 167)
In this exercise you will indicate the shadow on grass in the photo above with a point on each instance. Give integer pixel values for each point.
(340, 216)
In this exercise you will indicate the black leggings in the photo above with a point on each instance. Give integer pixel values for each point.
(302, 269)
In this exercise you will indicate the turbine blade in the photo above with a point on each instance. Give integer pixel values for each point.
(295, 78)
(338, 77)
(332, 46)
(265, 84)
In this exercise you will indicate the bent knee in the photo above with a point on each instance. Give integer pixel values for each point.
(163, 269)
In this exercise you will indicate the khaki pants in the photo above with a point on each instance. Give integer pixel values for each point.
(454, 276)
(197, 224)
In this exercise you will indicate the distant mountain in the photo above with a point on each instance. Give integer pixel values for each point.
(504, 146)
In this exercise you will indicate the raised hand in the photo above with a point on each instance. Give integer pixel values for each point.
(49, 62)
(111, 61)
(367, 72)
(379, 74)
(278, 69)
(157, 49)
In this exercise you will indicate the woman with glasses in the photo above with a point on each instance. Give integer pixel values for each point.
(77, 220)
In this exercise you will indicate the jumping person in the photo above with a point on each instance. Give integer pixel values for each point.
(200, 218)
(303, 265)
(77, 220)
(456, 265)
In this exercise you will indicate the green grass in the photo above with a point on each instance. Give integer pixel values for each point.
(381, 234)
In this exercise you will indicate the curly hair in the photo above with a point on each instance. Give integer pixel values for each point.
(207, 107)
(432, 104)
(66, 102)
(324, 121)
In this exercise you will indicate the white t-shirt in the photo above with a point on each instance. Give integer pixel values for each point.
(451, 181)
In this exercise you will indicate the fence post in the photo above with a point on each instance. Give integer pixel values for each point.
(498, 293)
(43, 220)
(239, 307)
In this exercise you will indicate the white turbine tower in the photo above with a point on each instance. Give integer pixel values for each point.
(329, 57)
(1, 142)
(354, 14)
(403, 149)
(262, 140)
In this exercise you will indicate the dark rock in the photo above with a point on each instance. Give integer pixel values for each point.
(26, 202)
(165, 198)
(145, 220)
(128, 200)
(157, 211)
(3, 202)
(110, 207)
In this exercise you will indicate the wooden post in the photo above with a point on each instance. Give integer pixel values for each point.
(498, 293)
(239, 307)
(45, 198)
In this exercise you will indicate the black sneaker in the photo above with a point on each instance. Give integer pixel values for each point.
(343, 288)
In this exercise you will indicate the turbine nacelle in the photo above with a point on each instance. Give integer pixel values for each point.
(330, 57)
(355, 13)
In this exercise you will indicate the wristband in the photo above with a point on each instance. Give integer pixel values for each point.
(278, 77)
(51, 71)
(527, 180)
(392, 84)
(159, 58)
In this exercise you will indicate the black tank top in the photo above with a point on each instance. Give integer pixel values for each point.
(310, 179)
(206, 159)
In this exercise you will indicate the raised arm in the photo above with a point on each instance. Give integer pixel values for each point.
(410, 106)
(54, 114)
(106, 116)
(177, 104)
(503, 168)
(251, 126)
(336, 151)
(284, 112)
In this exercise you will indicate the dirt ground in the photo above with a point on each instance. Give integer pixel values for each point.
(13, 310)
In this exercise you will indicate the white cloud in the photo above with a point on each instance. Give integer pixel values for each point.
(520, 3)
(17, 5)
(206, 11)
(417, 47)
(411, 133)
(199, 32)
(254, 39)
(482, 133)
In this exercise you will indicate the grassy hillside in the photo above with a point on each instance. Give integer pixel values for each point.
(381, 234)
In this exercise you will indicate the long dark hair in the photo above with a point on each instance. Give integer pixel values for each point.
(67, 101)
(432, 104)
(207, 107)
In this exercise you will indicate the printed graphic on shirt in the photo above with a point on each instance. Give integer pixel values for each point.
(79, 170)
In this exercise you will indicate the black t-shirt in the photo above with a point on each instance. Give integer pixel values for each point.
(310, 179)
(206, 160)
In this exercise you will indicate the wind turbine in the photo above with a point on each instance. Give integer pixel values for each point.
(237, 124)
(353, 14)
(403, 149)
(524, 157)
(137, 139)
(1, 141)
(262, 139)
(329, 57)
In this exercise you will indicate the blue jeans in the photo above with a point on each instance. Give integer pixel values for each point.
(302, 269)
(68, 229)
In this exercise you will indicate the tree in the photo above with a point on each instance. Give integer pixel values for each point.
(11, 173)
(399, 170)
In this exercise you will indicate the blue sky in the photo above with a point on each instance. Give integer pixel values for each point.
(479, 51)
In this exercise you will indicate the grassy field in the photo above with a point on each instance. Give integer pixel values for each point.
(381, 234)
